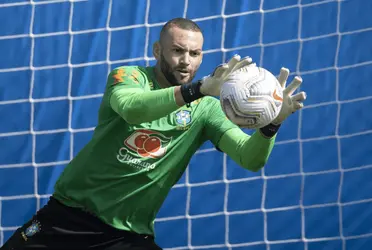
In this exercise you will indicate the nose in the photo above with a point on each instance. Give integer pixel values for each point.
(185, 59)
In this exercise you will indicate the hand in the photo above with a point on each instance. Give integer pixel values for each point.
(291, 103)
(211, 85)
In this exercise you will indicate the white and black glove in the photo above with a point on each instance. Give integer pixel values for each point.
(291, 103)
(211, 85)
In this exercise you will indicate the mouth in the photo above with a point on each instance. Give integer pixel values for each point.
(183, 72)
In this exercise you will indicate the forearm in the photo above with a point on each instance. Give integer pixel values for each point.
(250, 152)
(136, 106)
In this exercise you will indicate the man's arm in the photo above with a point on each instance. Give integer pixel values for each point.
(127, 96)
(249, 152)
(137, 106)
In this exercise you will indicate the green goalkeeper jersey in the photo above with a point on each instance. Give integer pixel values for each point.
(127, 169)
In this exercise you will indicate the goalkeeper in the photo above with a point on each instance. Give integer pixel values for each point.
(151, 122)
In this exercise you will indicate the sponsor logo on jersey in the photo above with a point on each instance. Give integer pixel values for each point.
(183, 117)
(146, 144)
(125, 157)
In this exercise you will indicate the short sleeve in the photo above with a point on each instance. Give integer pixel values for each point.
(216, 122)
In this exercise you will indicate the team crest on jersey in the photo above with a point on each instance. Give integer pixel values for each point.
(183, 117)
(34, 228)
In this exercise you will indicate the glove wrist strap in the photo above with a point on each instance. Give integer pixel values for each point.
(191, 91)
(270, 130)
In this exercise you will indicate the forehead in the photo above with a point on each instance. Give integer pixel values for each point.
(185, 38)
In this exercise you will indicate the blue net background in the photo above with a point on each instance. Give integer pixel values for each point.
(315, 192)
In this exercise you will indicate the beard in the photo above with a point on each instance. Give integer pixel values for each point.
(169, 73)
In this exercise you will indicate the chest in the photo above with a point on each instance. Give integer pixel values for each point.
(185, 119)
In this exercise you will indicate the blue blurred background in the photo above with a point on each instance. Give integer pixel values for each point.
(314, 193)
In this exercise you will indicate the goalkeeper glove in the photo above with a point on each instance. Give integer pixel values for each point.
(211, 85)
(291, 103)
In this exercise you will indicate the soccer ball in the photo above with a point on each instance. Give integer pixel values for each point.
(252, 97)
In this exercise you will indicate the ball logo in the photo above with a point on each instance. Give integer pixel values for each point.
(148, 143)
(277, 97)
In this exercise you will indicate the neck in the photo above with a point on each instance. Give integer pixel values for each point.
(160, 78)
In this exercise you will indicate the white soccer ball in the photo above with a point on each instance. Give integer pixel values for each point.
(252, 97)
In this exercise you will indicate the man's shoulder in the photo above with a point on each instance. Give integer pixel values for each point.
(131, 69)
(132, 73)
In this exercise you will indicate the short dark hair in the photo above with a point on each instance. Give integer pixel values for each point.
(182, 23)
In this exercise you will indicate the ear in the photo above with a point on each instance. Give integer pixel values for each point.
(156, 50)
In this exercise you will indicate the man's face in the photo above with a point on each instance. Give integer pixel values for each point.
(180, 55)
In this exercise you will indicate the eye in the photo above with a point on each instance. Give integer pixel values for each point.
(177, 50)
(194, 53)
